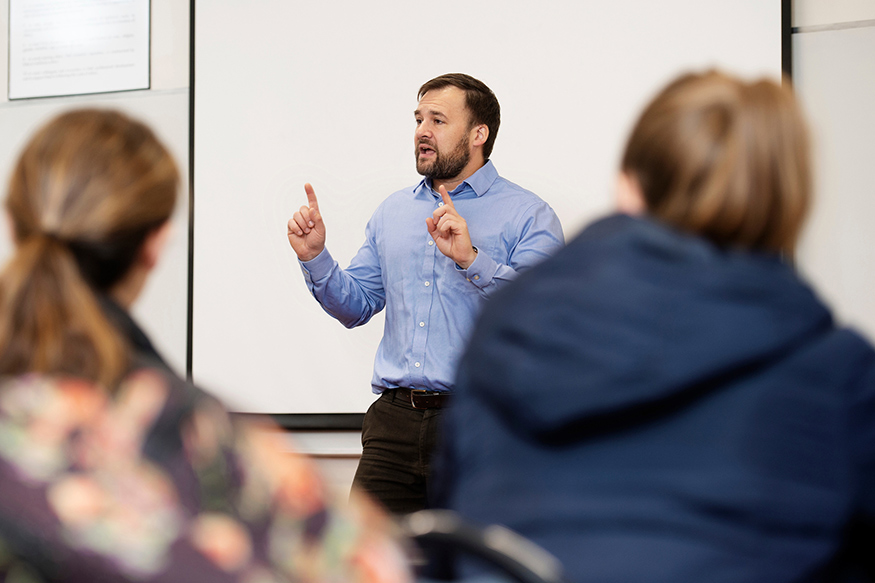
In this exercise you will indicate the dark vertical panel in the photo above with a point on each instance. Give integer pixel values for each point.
(190, 323)
(786, 37)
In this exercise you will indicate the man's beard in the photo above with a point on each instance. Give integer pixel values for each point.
(445, 167)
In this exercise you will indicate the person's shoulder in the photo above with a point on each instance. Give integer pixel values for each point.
(182, 397)
(518, 205)
(839, 358)
(857, 348)
(504, 187)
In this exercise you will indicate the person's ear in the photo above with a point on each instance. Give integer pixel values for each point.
(480, 134)
(153, 245)
(629, 197)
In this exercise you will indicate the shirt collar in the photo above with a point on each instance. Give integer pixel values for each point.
(479, 182)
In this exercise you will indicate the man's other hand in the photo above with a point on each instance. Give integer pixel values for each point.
(450, 232)
(306, 229)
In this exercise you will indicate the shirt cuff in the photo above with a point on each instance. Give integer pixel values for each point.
(481, 271)
(318, 267)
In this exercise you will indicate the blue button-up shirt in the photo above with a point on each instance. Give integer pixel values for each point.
(430, 302)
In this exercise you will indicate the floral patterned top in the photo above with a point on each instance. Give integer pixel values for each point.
(155, 482)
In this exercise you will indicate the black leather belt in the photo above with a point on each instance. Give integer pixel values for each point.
(422, 399)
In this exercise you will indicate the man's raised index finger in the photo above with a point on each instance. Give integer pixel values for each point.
(445, 196)
(311, 196)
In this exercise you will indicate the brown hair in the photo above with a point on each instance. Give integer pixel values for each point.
(725, 159)
(86, 191)
(479, 99)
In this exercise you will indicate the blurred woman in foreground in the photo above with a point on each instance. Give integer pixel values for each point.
(111, 467)
(666, 399)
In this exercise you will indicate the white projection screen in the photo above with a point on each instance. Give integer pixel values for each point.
(288, 92)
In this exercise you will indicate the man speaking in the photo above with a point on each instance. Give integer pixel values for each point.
(432, 253)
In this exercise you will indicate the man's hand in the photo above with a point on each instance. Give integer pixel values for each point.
(450, 232)
(306, 229)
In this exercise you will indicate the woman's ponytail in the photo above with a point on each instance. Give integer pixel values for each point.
(50, 320)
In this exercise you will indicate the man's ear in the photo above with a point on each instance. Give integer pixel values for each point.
(153, 245)
(481, 134)
(629, 197)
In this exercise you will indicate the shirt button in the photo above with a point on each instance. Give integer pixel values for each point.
(428, 283)
(476, 277)
(431, 242)
(440, 204)
(422, 324)
(416, 364)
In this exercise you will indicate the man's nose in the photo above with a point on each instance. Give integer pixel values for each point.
(423, 130)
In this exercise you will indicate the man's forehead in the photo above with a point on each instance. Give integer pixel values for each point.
(443, 101)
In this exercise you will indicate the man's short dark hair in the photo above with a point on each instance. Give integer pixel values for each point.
(480, 100)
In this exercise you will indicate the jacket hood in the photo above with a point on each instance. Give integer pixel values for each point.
(632, 314)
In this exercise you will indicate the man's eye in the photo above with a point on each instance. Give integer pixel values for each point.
(438, 121)
(418, 122)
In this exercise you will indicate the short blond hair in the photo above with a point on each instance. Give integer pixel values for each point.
(725, 159)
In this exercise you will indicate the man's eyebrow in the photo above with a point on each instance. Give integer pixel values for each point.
(432, 112)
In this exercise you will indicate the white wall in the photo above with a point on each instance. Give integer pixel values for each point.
(834, 75)
(807, 13)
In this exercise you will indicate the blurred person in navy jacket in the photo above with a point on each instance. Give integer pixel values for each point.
(666, 399)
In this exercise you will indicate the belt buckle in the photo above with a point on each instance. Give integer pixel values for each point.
(414, 393)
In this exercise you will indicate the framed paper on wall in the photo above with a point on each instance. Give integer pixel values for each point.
(74, 47)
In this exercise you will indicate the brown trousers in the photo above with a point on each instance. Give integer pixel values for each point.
(398, 442)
